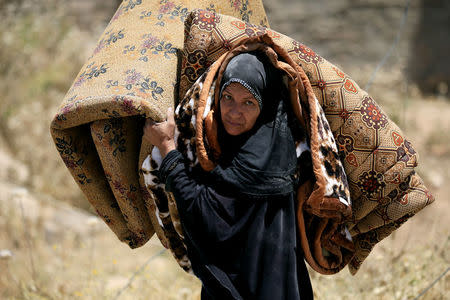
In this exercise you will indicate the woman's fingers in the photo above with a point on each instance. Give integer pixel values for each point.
(161, 134)
(170, 116)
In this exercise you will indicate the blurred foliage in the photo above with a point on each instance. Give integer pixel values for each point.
(40, 54)
(438, 142)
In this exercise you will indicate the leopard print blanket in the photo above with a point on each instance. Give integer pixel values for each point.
(323, 194)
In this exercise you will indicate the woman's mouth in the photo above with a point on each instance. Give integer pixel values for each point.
(233, 124)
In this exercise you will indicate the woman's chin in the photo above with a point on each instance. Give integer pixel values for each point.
(234, 133)
(234, 130)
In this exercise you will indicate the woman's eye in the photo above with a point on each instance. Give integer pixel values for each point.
(227, 97)
(249, 103)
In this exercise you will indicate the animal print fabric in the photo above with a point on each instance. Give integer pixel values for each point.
(378, 159)
(131, 74)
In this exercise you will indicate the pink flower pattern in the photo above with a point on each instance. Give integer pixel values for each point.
(167, 7)
(149, 41)
(127, 106)
(133, 76)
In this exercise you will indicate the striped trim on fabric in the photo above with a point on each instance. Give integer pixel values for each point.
(246, 85)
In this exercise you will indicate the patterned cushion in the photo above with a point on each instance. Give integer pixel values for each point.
(378, 159)
(132, 73)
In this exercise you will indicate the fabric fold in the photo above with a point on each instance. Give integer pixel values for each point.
(132, 73)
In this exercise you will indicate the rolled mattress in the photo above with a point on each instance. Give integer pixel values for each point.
(131, 75)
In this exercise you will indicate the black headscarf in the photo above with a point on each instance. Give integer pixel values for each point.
(259, 163)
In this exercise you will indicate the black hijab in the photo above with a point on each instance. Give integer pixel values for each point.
(259, 163)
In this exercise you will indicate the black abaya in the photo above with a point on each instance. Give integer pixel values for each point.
(239, 219)
(239, 248)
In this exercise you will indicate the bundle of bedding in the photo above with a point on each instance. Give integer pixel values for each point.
(359, 183)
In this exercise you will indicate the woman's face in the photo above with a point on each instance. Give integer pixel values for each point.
(238, 109)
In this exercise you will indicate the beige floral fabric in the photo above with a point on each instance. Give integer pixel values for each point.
(131, 74)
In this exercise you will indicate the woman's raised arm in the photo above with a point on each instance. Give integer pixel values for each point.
(199, 205)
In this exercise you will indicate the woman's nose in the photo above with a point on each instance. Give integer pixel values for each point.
(235, 111)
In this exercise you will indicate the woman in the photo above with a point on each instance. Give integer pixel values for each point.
(239, 220)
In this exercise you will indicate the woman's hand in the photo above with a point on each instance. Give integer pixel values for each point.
(161, 135)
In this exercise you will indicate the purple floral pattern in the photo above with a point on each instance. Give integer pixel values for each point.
(68, 107)
(70, 153)
(168, 8)
(133, 77)
(111, 38)
(372, 114)
(67, 150)
(114, 129)
(149, 44)
(135, 84)
(128, 106)
(116, 16)
(92, 71)
(305, 53)
(242, 6)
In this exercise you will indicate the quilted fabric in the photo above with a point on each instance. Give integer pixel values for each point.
(132, 72)
(330, 201)
(378, 159)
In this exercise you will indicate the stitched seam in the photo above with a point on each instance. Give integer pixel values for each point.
(245, 84)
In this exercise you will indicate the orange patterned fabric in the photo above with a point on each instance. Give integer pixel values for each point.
(378, 159)
(325, 207)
